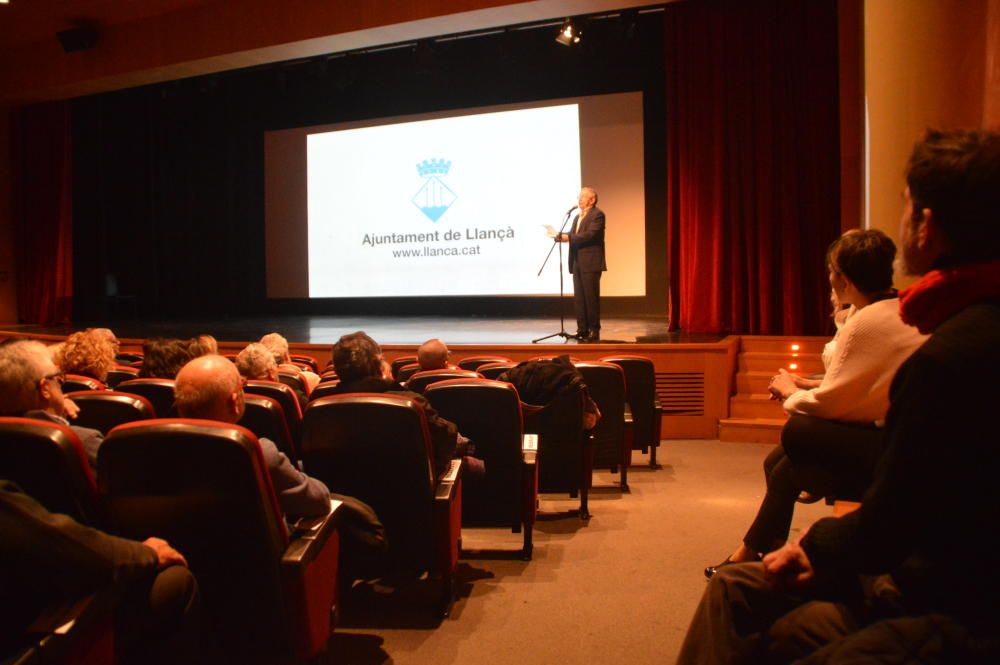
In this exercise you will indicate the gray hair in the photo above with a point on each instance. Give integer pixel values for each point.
(277, 345)
(22, 365)
(256, 362)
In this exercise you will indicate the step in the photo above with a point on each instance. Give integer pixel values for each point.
(755, 406)
(805, 363)
(782, 344)
(753, 383)
(751, 430)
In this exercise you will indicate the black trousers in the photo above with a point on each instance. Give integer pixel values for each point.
(824, 457)
(587, 301)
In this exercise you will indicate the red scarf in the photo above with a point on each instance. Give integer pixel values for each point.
(940, 294)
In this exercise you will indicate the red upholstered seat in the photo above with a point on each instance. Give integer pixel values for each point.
(640, 386)
(106, 409)
(613, 432)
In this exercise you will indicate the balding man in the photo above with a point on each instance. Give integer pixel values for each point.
(31, 386)
(434, 354)
(210, 387)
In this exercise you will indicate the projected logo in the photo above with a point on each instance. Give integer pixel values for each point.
(434, 197)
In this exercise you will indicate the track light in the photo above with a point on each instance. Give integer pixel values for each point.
(568, 34)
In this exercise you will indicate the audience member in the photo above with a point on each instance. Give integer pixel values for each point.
(833, 439)
(257, 362)
(209, 345)
(88, 353)
(48, 559)
(210, 387)
(924, 525)
(434, 354)
(279, 347)
(163, 358)
(361, 368)
(31, 386)
(539, 382)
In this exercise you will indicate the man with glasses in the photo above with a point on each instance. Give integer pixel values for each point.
(31, 386)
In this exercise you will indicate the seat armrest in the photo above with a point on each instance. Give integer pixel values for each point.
(629, 418)
(448, 481)
(309, 535)
(529, 448)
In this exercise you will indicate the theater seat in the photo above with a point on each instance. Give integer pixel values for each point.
(76, 382)
(120, 373)
(399, 362)
(640, 386)
(475, 362)
(204, 487)
(310, 363)
(324, 389)
(377, 448)
(419, 381)
(489, 413)
(159, 392)
(286, 397)
(106, 409)
(48, 462)
(494, 370)
(404, 373)
(266, 419)
(613, 432)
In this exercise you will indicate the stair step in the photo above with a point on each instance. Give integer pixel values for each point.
(755, 406)
(782, 344)
(803, 363)
(753, 383)
(751, 430)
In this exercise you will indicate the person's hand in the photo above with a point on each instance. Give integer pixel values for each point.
(782, 385)
(70, 408)
(165, 554)
(788, 567)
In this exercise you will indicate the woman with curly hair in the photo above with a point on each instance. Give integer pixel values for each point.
(88, 353)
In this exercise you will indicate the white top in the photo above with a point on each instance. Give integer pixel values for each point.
(831, 346)
(870, 347)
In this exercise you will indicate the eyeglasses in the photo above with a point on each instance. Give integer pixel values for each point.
(59, 377)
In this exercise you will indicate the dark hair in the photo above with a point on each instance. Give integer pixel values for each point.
(163, 358)
(357, 356)
(865, 258)
(957, 175)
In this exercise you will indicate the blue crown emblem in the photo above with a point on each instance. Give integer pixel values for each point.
(430, 167)
(434, 197)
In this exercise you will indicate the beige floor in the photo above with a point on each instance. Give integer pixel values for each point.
(619, 589)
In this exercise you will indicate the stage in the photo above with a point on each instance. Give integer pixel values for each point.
(390, 330)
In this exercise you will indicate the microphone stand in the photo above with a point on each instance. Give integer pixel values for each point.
(562, 313)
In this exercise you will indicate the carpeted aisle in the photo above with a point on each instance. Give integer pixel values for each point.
(619, 589)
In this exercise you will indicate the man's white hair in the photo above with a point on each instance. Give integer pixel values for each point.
(256, 362)
(277, 344)
(22, 365)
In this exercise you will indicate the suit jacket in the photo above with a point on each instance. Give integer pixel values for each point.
(47, 558)
(586, 244)
(90, 438)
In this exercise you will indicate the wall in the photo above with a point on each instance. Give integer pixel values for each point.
(925, 67)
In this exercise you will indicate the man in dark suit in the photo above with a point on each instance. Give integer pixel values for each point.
(586, 263)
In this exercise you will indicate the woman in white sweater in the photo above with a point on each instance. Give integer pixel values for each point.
(832, 440)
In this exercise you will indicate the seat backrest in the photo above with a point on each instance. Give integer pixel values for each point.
(475, 362)
(418, 382)
(640, 385)
(266, 419)
(76, 382)
(324, 389)
(48, 462)
(106, 409)
(404, 373)
(159, 392)
(494, 370)
(377, 448)
(606, 384)
(120, 373)
(286, 397)
(313, 365)
(293, 380)
(489, 414)
(559, 426)
(133, 358)
(204, 487)
(329, 375)
(399, 362)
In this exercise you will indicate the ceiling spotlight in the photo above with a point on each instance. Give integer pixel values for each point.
(568, 34)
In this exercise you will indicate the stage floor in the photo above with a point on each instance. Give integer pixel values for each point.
(397, 330)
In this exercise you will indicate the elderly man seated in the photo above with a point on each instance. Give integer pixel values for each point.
(257, 362)
(31, 386)
(434, 354)
(209, 387)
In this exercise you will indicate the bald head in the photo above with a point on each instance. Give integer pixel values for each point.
(209, 387)
(433, 354)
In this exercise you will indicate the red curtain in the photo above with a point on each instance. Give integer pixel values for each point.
(753, 190)
(44, 213)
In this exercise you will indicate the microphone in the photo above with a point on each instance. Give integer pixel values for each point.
(572, 209)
